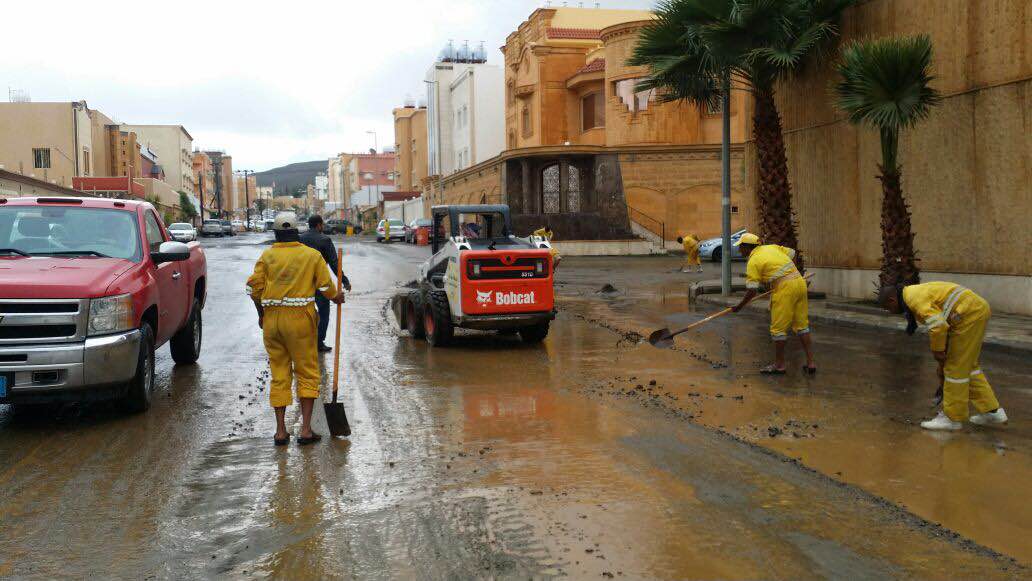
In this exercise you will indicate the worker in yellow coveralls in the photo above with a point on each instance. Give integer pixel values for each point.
(956, 318)
(772, 265)
(283, 286)
(690, 242)
(547, 233)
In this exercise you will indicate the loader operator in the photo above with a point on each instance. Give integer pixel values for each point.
(956, 318)
(772, 265)
(283, 285)
(691, 252)
(546, 233)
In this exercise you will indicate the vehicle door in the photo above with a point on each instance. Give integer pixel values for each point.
(173, 292)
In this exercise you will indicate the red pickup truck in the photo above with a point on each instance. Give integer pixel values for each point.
(89, 288)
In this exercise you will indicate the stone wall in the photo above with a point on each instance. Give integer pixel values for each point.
(681, 188)
(967, 169)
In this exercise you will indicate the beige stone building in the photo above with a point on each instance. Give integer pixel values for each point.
(586, 153)
(967, 170)
(173, 145)
(410, 146)
(55, 142)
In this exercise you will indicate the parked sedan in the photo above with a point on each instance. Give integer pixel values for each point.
(211, 228)
(227, 228)
(414, 226)
(397, 230)
(711, 249)
(182, 232)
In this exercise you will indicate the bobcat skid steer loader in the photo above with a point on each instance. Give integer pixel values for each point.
(479, 276)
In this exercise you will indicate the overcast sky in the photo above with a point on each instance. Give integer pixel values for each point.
(271, 83)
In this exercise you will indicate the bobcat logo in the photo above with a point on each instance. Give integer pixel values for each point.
(484, 298)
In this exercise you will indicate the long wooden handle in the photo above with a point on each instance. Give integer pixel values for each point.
(719, 314)
(336, 342)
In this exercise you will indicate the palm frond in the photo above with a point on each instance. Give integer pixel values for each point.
(885, 83)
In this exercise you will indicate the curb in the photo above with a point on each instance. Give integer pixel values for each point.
(993, 344)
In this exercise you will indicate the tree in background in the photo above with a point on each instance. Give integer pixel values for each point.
(693, 44)
(187, 211)
(884, 84)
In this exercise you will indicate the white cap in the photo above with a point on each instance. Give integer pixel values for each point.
(285, 221)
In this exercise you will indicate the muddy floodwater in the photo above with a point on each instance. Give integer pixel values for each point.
(590, 456)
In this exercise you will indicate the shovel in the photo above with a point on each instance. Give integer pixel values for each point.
(664, 338)
(336, 417)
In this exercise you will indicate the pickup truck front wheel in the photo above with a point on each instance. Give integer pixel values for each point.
(186, 344)
(141, 386)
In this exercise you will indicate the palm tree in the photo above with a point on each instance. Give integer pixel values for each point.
(693, 45)
(884, 84)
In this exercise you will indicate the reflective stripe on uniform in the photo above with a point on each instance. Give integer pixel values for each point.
(752, 284)
(955, 380)
(791, 253)
(288, 302)
(976, 372)
(783, 271)
(779, 337)
(935, 321)
(324, 288)
(803, 331)
(951, 301)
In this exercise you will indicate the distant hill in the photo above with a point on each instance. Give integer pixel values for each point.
(290, 178)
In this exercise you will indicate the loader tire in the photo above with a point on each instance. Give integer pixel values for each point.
(534, 333)
(414, 315)
(437, 319)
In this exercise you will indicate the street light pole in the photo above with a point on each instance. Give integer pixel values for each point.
(376, 169)
(247, 202)
(725, 186)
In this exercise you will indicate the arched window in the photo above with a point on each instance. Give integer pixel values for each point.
(550, 188)
(526, 120)
(573, 189)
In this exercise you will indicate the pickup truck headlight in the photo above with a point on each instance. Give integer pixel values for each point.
(110, 315)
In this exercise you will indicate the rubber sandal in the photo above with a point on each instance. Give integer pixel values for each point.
(809, 370)
(771, 370)
(310, 440)
(278, 442)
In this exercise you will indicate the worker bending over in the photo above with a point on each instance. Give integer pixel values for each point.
(772, 265)
(546, 233)
(956, 318)
(691, 252)
(283, 285)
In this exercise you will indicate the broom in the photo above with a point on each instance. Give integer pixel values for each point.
(336, 417)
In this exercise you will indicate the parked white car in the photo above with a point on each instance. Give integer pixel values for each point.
(211, 227)
(238, 226)
(182, 232)
(397, 230)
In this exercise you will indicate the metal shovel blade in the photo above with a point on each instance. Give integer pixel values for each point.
(337, 419)
(661, 339)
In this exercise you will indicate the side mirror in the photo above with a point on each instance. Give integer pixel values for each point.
(171, 252)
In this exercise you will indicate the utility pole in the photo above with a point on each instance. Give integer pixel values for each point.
(247, 200)
(725, 186)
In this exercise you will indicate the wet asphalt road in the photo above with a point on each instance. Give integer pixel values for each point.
(492, 459)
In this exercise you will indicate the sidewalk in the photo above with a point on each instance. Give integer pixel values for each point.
(1005, 334)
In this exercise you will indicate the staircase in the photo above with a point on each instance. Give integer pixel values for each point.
(648, 228)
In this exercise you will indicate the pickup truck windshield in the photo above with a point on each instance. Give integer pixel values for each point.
(70, 232)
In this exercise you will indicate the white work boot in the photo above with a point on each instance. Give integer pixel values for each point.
(941, 422)
(989, 418)
(700, 269)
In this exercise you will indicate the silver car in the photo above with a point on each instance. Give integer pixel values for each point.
(711, 249)
(182, 232)
(211, 228)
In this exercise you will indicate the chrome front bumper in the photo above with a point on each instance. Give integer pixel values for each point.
(63, 370)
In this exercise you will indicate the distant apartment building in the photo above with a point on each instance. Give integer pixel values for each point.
(55, 142)
(465, 100)
(150, 165)
(336, 189)
(410, 146)
(367, 176)
(321, 187)
(173, 145)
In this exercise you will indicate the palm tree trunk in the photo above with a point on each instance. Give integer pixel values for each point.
(777, 221)
(899, 265)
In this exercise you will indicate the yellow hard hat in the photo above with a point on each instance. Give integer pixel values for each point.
(748, 238)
